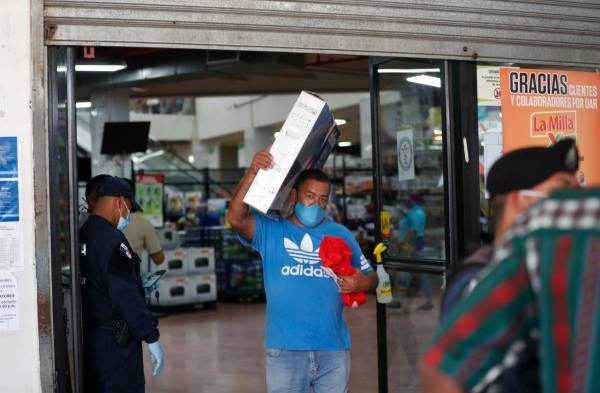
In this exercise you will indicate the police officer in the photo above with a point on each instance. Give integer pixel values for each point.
(115, 317)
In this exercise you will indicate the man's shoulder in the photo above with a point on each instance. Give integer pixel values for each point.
(572, 209)
(336, 229)
(268, 219)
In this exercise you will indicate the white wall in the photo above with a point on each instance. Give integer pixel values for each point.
(19, 362)
(219, 116)
(167, 127)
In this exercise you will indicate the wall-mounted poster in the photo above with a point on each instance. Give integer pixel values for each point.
(149, 193)
(11, 250)
(540, 107)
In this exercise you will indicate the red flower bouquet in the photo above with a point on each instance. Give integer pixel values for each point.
(336, 261)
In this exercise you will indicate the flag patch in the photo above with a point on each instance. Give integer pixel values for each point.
(125, 250)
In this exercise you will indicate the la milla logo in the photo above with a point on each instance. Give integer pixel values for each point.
(309, 261)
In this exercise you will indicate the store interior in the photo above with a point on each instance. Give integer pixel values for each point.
(205, 114)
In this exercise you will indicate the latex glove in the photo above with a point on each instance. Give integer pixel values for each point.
(149, 290)
(158, 357)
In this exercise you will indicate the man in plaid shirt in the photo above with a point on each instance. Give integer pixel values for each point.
(543, 284)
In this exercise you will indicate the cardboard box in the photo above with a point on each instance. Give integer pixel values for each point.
(173, 291)
(307, 137)
(200, 260)
(202, 288)
(175, 263)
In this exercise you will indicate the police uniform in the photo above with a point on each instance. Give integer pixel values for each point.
(112, 297)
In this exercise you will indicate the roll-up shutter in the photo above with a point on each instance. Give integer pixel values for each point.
(536, 31)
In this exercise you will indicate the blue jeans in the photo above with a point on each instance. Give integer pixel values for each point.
(299, 371)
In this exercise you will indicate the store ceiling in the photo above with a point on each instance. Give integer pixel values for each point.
(156, 73)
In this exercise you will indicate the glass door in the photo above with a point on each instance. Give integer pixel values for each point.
(411, 193)
(66, 294)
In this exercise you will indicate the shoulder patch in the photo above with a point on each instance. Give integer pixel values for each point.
(125, 250)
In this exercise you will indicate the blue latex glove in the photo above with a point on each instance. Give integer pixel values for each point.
(149, 290)
(158, 357)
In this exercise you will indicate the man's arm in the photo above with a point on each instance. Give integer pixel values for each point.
(237, 215)
(436, 382)
(359, 282)
(158, 257)
(152, 243)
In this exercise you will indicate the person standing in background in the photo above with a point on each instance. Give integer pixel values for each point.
(142, 236)
(411, 235)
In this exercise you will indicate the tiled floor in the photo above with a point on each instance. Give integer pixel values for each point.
(222, 351)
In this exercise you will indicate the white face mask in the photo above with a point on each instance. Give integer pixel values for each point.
(533, 193)
(123, 221)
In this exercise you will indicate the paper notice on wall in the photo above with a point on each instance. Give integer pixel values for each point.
(9, 310)
(488, 85)
(285, 149)
(10, 220)
(406, 155)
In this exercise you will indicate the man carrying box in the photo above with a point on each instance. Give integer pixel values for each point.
(307, 338)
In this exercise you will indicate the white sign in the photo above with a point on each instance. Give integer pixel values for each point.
(488, 85)
(406, 155)
(9, 310)
(10, 250)
(285, 149)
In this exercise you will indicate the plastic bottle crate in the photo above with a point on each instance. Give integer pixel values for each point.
(240, 278)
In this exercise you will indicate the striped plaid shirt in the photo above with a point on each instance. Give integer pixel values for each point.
(543, 285)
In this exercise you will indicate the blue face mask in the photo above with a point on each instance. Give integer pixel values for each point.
(309, 216)
(123, 221)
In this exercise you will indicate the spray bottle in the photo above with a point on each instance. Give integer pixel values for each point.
(384, 288)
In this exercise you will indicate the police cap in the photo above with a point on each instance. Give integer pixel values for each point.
(525, 168)
(115, 186)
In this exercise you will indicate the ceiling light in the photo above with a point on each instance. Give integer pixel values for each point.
(406, 70)
(345, 144)
(276, 135)
(83, 105)
(340, 122)
(99, 67)
(426, 80)
(152, 101)
(191, 159)
(437, 132)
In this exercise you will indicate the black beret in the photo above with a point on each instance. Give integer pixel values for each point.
(525, 168)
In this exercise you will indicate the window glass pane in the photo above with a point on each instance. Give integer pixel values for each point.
(411, 154)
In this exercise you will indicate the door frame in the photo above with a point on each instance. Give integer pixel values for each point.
(62, 118)
(458, 124)
(460, 150)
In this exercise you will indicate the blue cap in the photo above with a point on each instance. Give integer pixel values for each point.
(117, 187)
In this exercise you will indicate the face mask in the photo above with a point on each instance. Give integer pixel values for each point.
(309, 216)
(123, 221)
(533, 193)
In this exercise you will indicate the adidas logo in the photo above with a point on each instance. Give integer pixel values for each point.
(306, 257)
(304, 253)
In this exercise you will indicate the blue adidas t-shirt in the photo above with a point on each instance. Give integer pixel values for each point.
(304, 306)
